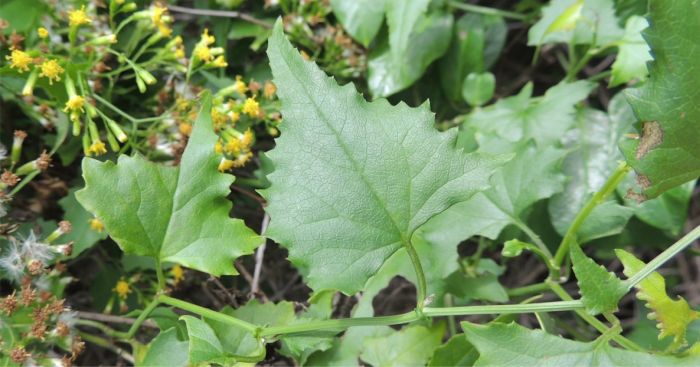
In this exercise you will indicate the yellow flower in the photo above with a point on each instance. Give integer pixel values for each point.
(180, 52)
(217, 118)
(97, 148)
(206, 38)
(225, 164)
(233, 146)
(182, 104)
(185, 128)
(51, 70)
(75, 104)
(122, 289)
(220, 62)
(164, 30)
(218, 148)
(235, 116)
(178, 274)
(78, 17)
(43, 32)
(239, 86)
(96, 225)
(269, 90)
(203, 52)
(251, 107)
(157, 13)
(19, 60)
(247, 138)
(241, 160)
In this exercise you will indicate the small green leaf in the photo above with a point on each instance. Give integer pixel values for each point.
(455, 352)
(513, 248)
(360, 18)
(176, 214)
(478, 88)
(513, 345)
(600, 290)
(477, 41)
(412, 345)
(591, 22)
(673, 316)
(354, 180)
(204, 346)
(166, 350)
(667, 153)
(416, 39)
(633, 54)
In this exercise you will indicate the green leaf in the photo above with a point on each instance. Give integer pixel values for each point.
(455, 352)
(239, 342)
(478, 88)
(204, 346)
(360, 18)
(668, 153)
(346, 350)
(673, 316)
(594, 155)
(565, 21)
(600, 290)
(300, 347)
(633, 54)
(481, 283)
(166, 350)
(667, 211)
(537, 348)
(81, 234)
(412, 345)
(477, 42)
(512, 122)
(176, 214)
(515, 187)
(513, 248)
(416, 40)
(354, 180)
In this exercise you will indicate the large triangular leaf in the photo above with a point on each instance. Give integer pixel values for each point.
(513, 345)
(354, 180)
(411, 346)
(668, 154)
(177, 214)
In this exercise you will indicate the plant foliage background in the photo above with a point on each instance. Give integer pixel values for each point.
(336, 182)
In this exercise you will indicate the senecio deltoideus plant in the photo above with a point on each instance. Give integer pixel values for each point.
(353, 187)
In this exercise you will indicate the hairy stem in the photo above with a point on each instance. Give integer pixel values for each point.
(599, 197)
(205, 312)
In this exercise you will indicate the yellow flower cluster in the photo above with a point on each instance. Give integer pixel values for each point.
(211, 57)
(51, 70)
(122, 289)
(19, 60)
(160, 19)
(78, 17)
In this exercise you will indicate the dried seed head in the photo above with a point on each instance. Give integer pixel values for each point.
(35, 267)
(9, 304)
(43, 162)
(9, 178)
(19, 355)
(65, 226)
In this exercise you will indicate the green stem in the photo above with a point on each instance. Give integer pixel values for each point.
(341, 324)
(486, 10)
(528, 289)
(658, 261)
(597, 324)
(599, 197)
(210, 314)
(533, 237)
(142, 317)
(160, 276)
(420, 276)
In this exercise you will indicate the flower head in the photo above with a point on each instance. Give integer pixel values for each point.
(78, 17)
(19, 60)
(178, 274)
(239, 86)
(269, 90)
(75, 104)
(52, 70)
(203, 53)
(206, 38)
(219, 62)
(97, 148)
(225, 164)
(42, 32)
(96, 225)
(251, 107)
(122, 289)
